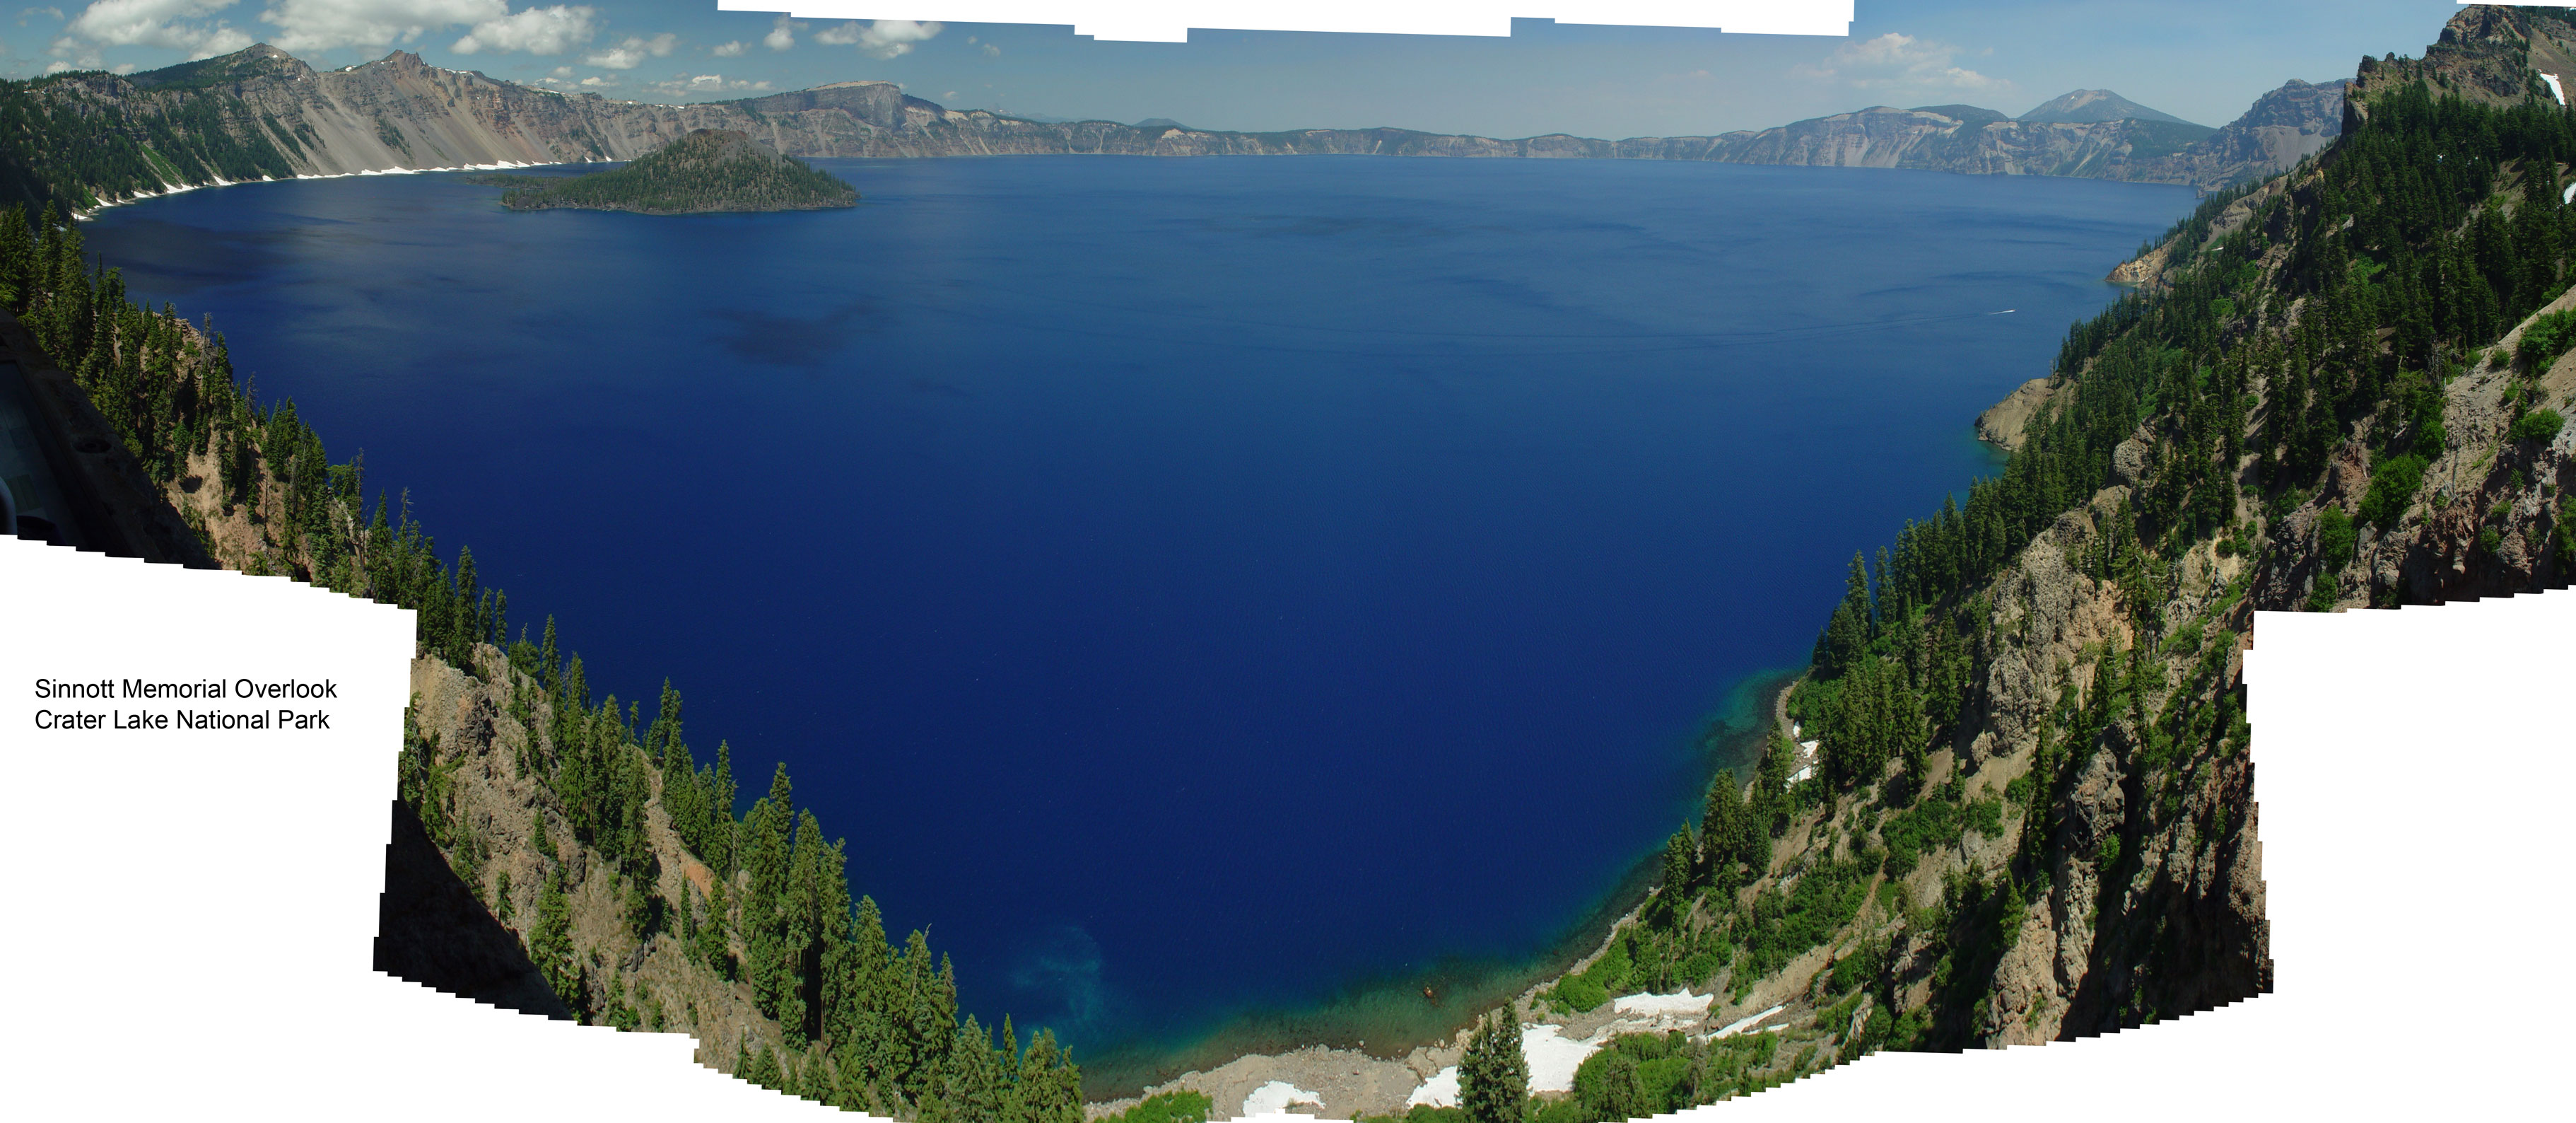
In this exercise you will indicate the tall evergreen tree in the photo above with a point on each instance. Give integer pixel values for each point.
(1493, 1076)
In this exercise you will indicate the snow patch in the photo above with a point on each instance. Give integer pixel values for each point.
(1439, 1091)
(1553, 1058)
(1741, 1024)
(1681, 1003)
(1273, 1098)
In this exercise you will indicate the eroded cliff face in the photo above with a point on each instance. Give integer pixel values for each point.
(2282, 128)
(510, 837)
(401, 113)
(2155, 903)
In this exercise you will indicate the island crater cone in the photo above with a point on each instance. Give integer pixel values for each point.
(705, 170)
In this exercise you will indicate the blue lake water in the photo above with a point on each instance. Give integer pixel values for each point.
(1213, 594)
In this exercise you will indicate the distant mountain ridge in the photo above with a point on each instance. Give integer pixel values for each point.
(84, 139)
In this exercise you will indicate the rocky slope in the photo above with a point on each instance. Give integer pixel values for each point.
(2282, 128)
(91, 138)
(2255, 429)
(2153, 904)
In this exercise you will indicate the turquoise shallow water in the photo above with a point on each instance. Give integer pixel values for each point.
(1215, 595)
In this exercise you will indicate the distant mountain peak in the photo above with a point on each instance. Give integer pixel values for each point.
(2092, 106)
(259, 60)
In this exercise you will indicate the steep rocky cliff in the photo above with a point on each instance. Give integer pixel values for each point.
(2282, 128)
(91, 138)
(2341, 388)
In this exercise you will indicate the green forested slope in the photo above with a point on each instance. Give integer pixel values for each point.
(842, 1015)
(2311, 407)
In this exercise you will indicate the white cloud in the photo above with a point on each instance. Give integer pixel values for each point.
(887, 38)
(321, 25)
(782, 34)
(1897, 61)
(729, 50)
(600, 81)
(151, 23)
(632, 52)
(991, 51)
(883, 38)
(537, 31)
(47, 10)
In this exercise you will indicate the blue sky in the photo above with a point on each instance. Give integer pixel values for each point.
(2203, 60)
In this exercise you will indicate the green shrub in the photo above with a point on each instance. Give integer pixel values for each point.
(2392, 489)
(2538, 425)
(1697, 968)
(1859, 969)
(1169, 1107)
(2547, 338)
(1986, 817)
(1579, 993)
(1783, 926)
(1561, 1111)
(1592, 986)
(1421, 1113)
(2334, 540)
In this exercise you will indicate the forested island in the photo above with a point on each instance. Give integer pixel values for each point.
(2010, 800)
(707, 170)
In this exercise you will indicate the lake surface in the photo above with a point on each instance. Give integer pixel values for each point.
(1213, 594)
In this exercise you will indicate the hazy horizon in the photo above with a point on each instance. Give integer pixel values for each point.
(2200, 60)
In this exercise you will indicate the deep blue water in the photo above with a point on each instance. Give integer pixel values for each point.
(1192, 586)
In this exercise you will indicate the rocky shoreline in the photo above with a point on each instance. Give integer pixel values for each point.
(1342, 1083)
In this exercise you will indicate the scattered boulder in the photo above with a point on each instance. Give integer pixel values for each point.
(2129, 461)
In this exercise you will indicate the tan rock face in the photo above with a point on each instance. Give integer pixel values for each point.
(2129, 461)
(475, 723)
(2001, 424)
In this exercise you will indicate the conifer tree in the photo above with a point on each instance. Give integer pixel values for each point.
(1493, 1076)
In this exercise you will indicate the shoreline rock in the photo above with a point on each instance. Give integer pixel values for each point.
(2001, 424)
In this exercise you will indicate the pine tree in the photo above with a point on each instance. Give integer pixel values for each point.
(1848, 632)
(1681, 855)
(550, 942)
(1493, 1077)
